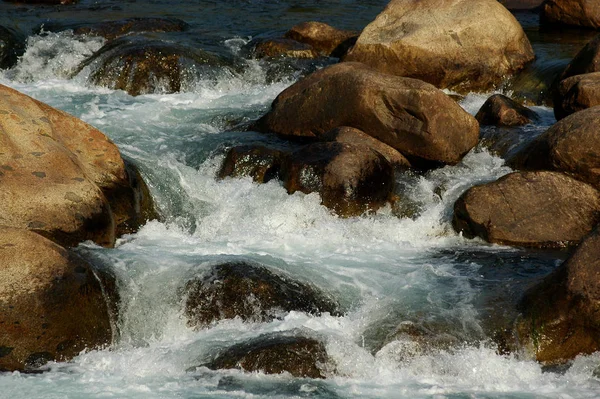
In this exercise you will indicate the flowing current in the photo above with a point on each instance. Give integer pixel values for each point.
(384, 270)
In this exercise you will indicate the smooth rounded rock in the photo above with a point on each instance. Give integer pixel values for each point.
(577, 93)
(578, 13)
(324, 38)
(281, 48)
(500, 110)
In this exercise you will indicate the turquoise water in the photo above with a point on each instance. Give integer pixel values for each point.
(384, 270)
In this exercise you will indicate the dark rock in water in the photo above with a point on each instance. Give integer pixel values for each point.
(409, 115)
(560, 315)
(324, 38)
(499, 110)
(351, 179)
(11, 46)
(275, 354)
(578, 13)
(350, 135)
(259, 162)
(518, 5)
(53, 303)
(570, 146)
(251, 292)
(530, 209)
(141, 66)
(275, 48)
(587, 60)
(113, 29)
(577, 93)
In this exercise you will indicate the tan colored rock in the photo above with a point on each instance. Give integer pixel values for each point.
(531, 209)
(61, 177)
(571, 146)
(560, 316)
(461, 44)
(415, 118)
(584, 13)
(324, 38)
(52, 304)
(577, 93)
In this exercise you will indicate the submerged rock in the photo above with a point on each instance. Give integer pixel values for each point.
(256, 161)
(113, 29)
(275, 354)
(250, 292)
(560, 315)
(351, 179)
(570, 146)
(415, 118)
(583, 13)
(499, 110)
(531, 209)
(463, 44)
(325, 39)
(577, 93)
(142, 66)
(52, 303)
(63, 178)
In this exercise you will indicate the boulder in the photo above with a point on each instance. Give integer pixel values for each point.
(53, 303)
(587, 60)
(142, 66)
(113, 29)
(465, 45)
(350, 135)
(351, 179)
(276, 48)
(257, 161)
(530, 209)
(415, 118)
(325, 39)
(580, 13)
(577, 93)
(63, 178)
(570, 146)
(275, 354)
(499, 110)
(250, 292)
(560, 315)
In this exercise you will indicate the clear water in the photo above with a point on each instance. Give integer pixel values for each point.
(383, 270)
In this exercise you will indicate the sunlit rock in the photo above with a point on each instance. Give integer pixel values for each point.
(324, 38)
(499, 110)
(463, 44)
(281, 48)
(52, 303)
(577, 93)
(582, 13)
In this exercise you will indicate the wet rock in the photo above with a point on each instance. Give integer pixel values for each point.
(531, 209)
(465, 44)
(560, 314)
(277, 48)
(577, 93)
(250, 292)
(113, 29)
(63, 178)
(350, 135)
(324, 38)
(518, 5)
(11, 46)
(570, 146)
(52, 302)
(587, 60)
(499, 110)
(142, 66)
(415, 118)
(583, 13)
(351, 179)
(257, 161)
(275, 354)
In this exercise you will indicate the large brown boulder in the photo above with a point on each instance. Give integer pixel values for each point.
(351, 179)
(560, 316)
(112, 29)
(250, 292)
(411, 116)
(583, 13)
(462, 44)
(532, 209)
(324, 38)
(571, 145)
(63, 178)
(52, 304)
(577, 93)
(499, 110)
(275, 354)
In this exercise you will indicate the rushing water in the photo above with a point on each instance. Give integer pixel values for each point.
(384, 270)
